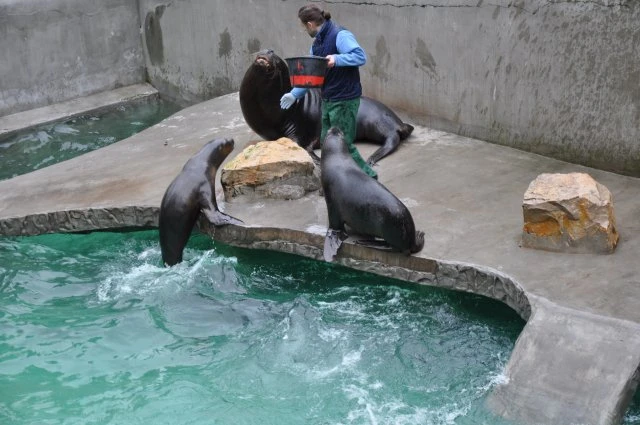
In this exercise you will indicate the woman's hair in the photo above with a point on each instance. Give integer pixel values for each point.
(312, 13)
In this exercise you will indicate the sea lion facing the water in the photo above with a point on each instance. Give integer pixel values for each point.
(267, 79)
(362, 203)
(190, 193)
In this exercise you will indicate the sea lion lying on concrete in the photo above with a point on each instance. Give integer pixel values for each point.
(267, 79)
(190, 193)
(362, 203)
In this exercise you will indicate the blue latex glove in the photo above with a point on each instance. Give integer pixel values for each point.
(287, 100)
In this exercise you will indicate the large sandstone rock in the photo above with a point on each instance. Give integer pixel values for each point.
(272, 169)
(569, 213)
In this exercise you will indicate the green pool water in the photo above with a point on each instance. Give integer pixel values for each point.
(48, 144)
(95, 331)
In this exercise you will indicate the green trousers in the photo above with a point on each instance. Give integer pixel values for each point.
(343, 114)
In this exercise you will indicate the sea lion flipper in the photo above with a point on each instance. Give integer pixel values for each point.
(332, 242)
(418, 243)
(391, 144)
(218, 218)
(314, 157)
(375, 243)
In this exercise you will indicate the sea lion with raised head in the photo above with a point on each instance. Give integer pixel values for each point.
(267, 79)
(360, 202)
(192, 192)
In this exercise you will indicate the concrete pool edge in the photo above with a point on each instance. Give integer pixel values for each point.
(444, 274)
(81, 220)
(98, 102)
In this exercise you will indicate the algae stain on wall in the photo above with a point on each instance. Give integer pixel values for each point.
(253, 45)
(153, 35)
(424, 59)
(225, 45)
(381, 59)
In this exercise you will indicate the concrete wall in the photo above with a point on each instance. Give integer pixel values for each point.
(56, 50)
(559, 78)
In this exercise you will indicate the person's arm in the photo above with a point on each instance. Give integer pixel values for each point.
(298, 92)
(349, 51)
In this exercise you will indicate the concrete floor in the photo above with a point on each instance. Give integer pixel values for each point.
(576, 359)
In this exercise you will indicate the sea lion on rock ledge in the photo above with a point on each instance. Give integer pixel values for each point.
(267, 79)
(191, 192)
(362, 203)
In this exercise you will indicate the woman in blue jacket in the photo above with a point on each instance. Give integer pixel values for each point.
(341, 90)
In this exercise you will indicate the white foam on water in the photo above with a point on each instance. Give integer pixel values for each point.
(632, 418)
(106, 139)
(137, 281)
(348, 365)
(47, 160)
(42, 136)
(349, 308)
(331, 334)
(497, 378)
(352, 358)
(370, 410)
(65, 129)
(150, 278)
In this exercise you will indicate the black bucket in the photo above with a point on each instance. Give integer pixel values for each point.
(307, 71)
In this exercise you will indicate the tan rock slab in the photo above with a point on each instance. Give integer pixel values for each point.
(277, 169)
(569, 213)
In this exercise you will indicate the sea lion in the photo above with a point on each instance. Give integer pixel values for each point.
(267, 79)
(191, 192)
(362, 203)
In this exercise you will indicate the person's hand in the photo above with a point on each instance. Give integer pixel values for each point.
(331, 61)
(287, 100)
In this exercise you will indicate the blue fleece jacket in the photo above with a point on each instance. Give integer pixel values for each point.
(349, 54)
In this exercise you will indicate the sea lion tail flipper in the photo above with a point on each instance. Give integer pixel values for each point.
(332, 242)
(218, 218)
(405, 130)
(390, 145)
(418, 243)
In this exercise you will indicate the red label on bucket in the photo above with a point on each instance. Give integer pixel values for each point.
(306, 81)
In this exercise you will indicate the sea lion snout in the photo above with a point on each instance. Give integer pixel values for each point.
(334, 141)
(264, 57)
(227, 146)
(335, 131)
(262, 61)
